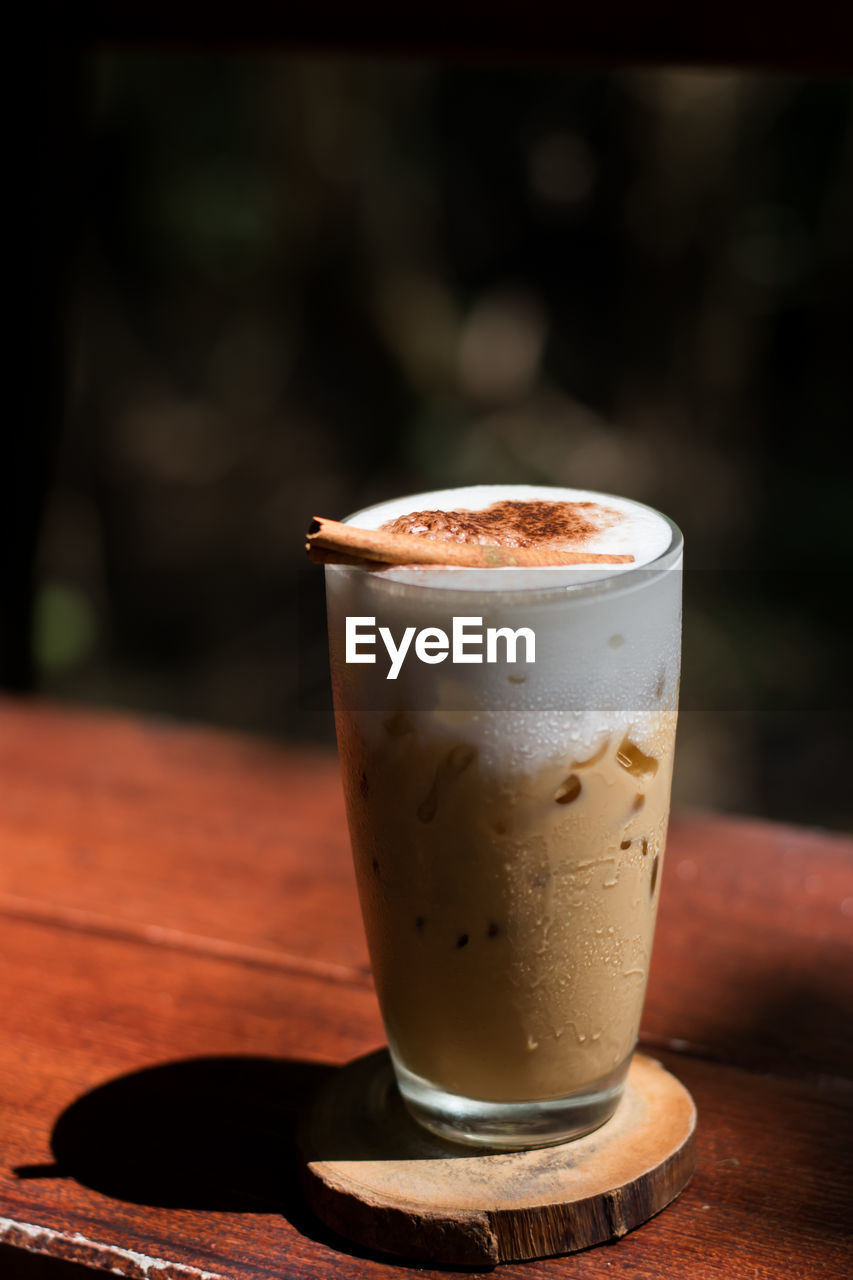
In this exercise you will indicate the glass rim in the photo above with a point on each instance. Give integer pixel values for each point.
(617, 580)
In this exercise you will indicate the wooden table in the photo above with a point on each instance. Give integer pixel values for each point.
(183, 961)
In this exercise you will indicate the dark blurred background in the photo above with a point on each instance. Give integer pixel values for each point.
(300, 284)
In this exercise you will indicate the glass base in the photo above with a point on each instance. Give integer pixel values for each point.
(511, 1126)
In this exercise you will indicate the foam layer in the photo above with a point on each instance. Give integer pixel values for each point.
(622, 527)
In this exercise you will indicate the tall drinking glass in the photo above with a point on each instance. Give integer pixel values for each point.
(508, 818)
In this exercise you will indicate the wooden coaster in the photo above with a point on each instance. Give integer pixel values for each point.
(375, 1176)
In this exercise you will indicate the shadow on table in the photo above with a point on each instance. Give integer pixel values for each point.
(205, 1133)
(209, 1134)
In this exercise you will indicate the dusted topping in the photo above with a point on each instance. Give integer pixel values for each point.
(511, 523)
(414, 539)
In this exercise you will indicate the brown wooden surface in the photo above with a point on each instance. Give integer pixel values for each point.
(182, 963)
(377, 1177)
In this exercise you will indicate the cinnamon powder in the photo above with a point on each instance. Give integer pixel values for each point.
(510, 523)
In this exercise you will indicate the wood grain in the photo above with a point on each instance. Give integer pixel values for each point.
(211, 842)
(374, 1175)
(158, 1047)
(754, 947)
(143, 825)
(170, 1088)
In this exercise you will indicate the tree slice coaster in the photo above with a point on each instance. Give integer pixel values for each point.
(373, 1175)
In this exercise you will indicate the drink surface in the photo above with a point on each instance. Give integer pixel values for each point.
(522, 516)
(508, 823)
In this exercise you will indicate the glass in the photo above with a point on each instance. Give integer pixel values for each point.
(508, 822)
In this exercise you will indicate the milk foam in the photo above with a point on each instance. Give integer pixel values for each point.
(607, 642)
(640, 532)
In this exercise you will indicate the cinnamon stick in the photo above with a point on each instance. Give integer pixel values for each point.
(329, 542)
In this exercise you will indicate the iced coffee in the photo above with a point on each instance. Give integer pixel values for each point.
(508, 801)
